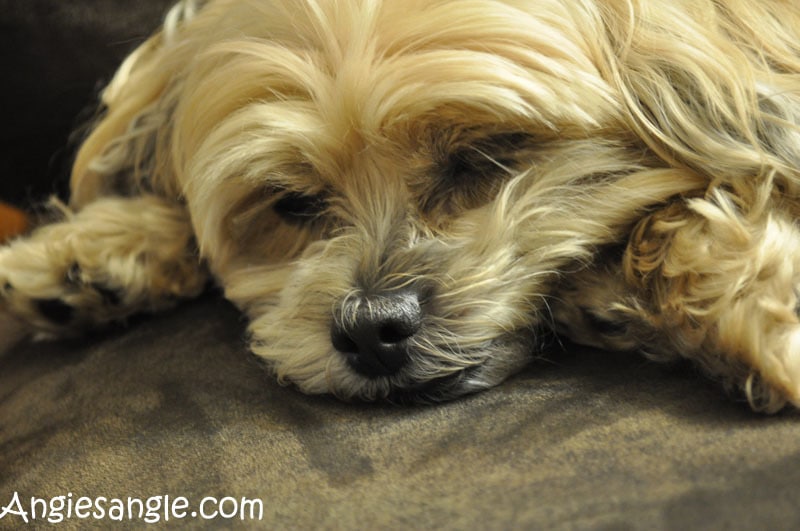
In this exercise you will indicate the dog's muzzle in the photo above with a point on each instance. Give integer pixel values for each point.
(374, 332)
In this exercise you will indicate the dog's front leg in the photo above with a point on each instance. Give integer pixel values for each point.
(711, 279)
(113, 258)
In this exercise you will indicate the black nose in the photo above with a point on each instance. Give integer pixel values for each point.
(374, 332)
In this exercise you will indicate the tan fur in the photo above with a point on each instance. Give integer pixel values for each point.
(516, 165)
(113, 258)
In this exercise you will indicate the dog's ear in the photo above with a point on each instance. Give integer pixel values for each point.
(712, 87)
(126, 150)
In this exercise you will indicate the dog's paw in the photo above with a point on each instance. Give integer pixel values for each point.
(66, 278)
(41, 286)
(768, 340)
(68, 297)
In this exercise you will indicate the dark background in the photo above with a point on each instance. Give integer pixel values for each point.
(55, 58)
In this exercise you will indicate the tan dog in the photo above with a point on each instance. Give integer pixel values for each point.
(402, 194)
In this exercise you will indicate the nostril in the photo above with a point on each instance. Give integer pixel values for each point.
(396, 331)
(390, 334)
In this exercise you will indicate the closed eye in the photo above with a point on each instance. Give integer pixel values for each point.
(470, 174)
(299, 208)
(473, 161)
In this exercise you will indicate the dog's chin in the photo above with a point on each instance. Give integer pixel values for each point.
(460, 383)
(494, 362)
(426, 378)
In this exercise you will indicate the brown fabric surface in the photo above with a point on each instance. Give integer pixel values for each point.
(175, 405)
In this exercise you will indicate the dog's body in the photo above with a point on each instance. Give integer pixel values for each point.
(402, 194)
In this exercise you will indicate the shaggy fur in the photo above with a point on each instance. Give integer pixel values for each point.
(404, 195)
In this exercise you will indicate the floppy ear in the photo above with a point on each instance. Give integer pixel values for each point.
(713, 87)
(125, 152)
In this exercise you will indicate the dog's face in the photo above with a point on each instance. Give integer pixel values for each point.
(388, 188)
(366, 180)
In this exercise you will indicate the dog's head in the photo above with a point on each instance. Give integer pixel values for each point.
(387, 188)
